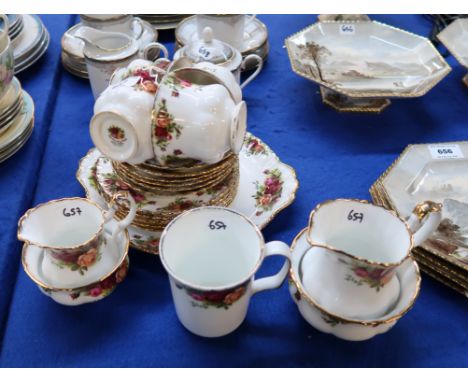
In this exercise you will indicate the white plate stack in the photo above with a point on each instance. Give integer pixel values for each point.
(29, 40)
(16, 119)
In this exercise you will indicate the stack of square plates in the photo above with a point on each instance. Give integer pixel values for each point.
(30, 42)
(436, 172)
(163, 21)
(16, 119)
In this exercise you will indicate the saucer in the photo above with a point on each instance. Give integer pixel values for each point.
(30, 44)
(342, 327)
(16, 134)
(111, 258)
(259, 166)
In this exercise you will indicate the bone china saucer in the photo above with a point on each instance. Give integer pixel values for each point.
(266, 187)
(111, 257)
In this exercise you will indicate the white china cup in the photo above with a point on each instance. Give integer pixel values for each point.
(111, 23)
(362, 246)
(211, 255)
(71, 232)
(194, 116)
(121, 125)
(7, 66)
(227, 28)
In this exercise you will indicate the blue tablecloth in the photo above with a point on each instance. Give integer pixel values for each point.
(335, 155)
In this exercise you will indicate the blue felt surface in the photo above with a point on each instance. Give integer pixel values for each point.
(335, 155)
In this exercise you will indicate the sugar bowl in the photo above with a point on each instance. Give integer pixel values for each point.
(208, 49)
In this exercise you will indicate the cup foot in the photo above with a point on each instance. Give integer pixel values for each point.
(346, 104)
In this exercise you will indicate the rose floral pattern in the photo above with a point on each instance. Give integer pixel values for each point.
(176, 84)
(183, 204)
(104, 287)
(374, 277)
(146, 244)
(254, 146)
(222, 299)
(79, 259)
(164, 126)
(268, 192)
(117, 135)
(112, 184)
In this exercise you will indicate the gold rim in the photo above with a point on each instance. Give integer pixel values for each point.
(31, 210)
(354, 94)
(43, 285)
(354, 257)
(344, 320)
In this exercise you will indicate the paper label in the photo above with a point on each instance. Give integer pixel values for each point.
(446, 151)
(348, 29)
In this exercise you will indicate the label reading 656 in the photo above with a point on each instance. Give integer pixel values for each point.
(216, 225)
(355, 216)
(72, 212)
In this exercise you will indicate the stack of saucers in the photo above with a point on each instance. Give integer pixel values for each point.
(30, 42)
(15, 25)
(16, 119)
(162, 193)
(163, 21)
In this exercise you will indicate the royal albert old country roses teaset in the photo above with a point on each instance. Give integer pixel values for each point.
(175, 173)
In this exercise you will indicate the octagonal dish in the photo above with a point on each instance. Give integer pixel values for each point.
(364, 60)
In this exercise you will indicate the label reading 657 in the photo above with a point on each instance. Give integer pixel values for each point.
(72, 212)
(216, 225)
(355, 216)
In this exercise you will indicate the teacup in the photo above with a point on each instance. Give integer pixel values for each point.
(228, 28)
(211, 255)
(121, 125)
(194, 116)
(112, 23)
(362, 246)
(71, 233)
(7, 66)
(105, 52)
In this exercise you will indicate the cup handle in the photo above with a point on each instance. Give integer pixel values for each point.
(137, 20)
(272, 282)
(251, 57)
(124, 223)
(424, 221)
(157, 45)
(6, 24)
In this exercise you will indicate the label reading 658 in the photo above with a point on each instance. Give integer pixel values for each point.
(72, 212)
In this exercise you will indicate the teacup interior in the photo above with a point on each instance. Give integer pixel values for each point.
(62, 223)
(211, 247)
(196, 76)
(361, 229)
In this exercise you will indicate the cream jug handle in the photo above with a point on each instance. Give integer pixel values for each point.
(124, 223)
(155, 45)
(272, 282)
(424, 221)
(251, 57)
(6, 25)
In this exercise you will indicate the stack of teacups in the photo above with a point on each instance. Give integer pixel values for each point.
(170, 135)
(352, 273)
(16, 106)
(81, 254)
